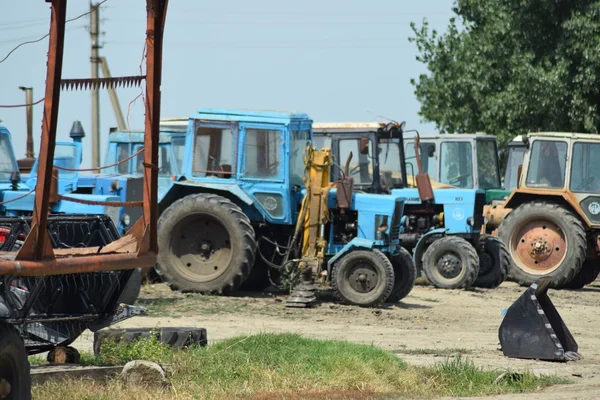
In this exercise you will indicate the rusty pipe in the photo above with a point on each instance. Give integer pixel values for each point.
(76, 264)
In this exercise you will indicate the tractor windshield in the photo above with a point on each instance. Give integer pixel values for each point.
(360, 167)
(427, 153)
(547, 164)
(300, 140)
(487, 165)
(390, 163)
(6, 158)
(456, 164)
(513, 160)
(164, 161)
(586, 164)
(215, 152)
(178, 144)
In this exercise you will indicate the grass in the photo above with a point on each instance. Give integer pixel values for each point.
(287, 366)
(435, 352)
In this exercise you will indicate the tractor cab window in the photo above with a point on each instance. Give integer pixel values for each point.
(263, 153)
(178, 144)
(322, 142)
(360, 165)
(300, 140)
(586, 164)
(65, 156)
(214, 152)
(456, 164)
(427, 153)
(487, 164)
(6, 160)
(122, 153)
(547, 164)
(513, 160)
(390, 168)
(164, 161)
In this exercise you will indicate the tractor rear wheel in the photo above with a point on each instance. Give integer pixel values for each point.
(587, 274)
(363, 277)
(206, 243)
(451, 263)
(405, 273)
(544, 240)
(15, 381)
(494, 262)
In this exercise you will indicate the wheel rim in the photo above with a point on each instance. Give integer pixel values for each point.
(539, 247)
(449, 267)
(362, 277)
(9, 381)
(202, 248)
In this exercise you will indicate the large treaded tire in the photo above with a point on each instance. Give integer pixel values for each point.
(14, 364)
(587, 274)
(381, 267)
(258, 279)
(570, 226)
(494, 261)
(405, 273)
(132, 289)
(225, 224)
(176, 338)
(461, 252)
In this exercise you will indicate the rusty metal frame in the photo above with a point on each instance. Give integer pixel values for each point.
(139, 247)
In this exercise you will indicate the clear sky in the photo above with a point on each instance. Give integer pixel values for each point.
(337, 60)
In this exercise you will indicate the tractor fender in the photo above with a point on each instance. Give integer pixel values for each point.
(354, 243)
(421, 245)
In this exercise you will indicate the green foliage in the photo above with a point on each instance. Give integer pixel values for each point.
(113, 353)
(508, 67)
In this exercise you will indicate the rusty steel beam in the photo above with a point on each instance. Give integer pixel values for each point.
(37, 245)
(156, 14)
(76, 264)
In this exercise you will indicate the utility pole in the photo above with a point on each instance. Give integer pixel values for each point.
(26, 163)
(95, 62)
(114, 100)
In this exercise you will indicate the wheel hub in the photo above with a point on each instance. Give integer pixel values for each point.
(449, 266)
(539, 247)
(363, 278)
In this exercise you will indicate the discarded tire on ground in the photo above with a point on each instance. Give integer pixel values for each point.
(544, 240)
(177, 338)
(494, 261)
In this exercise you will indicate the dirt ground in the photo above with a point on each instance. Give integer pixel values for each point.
(427, 326)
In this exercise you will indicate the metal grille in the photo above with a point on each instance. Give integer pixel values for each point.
(215, 152)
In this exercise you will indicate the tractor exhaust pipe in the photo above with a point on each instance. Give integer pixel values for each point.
(533, 329)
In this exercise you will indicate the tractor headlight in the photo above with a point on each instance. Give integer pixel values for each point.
(125, 220)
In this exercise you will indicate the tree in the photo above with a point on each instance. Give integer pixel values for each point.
(512, 67)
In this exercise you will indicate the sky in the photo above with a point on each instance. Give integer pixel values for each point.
(336, 60)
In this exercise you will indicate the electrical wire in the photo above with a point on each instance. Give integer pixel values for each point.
(22, 105)
(48, 34)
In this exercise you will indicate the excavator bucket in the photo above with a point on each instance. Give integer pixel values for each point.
(533, 329)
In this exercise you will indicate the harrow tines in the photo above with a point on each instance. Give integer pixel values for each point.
(102, 83)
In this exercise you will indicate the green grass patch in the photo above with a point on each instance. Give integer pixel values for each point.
(277, 366)
(435, 352)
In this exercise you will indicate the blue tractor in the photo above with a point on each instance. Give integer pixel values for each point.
(72, 222)
(254, 197)
(441, 225)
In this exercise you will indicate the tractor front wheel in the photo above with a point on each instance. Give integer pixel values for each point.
(451, 263)
(405, 273)
(363, 277)
(494, 261)
(544, 240)
(206, 243)
(15, 381)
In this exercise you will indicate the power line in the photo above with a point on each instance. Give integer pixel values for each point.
(22, 105)
(48, 34)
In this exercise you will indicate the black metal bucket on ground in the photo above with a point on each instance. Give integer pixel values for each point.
(533, 329)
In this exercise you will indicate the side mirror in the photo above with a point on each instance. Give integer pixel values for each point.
(525, 140)
(430, 150)
(364, 145)
(519, 170)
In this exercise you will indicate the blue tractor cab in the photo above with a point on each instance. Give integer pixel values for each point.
(251, 201)
(441, 224)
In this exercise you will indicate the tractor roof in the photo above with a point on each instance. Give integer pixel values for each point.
(248, 115)
(350, 127)
(138, 137)
(450, 135)
(565, 135)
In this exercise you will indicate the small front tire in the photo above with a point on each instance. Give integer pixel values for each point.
(405, 274)
(451, 263)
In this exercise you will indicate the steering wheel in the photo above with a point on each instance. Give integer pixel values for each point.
(585, 183)
(457, 178)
